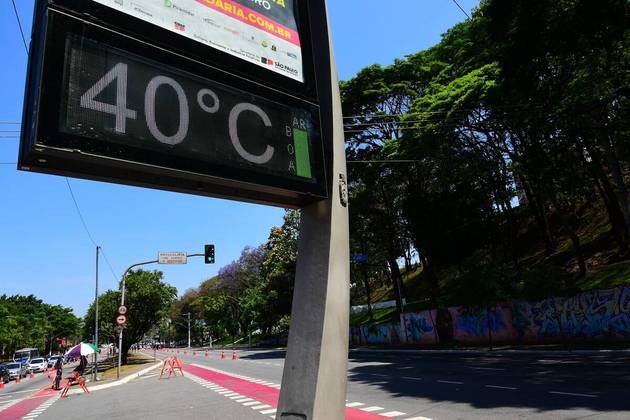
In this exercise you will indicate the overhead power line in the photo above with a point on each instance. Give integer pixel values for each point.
(462, 9)
(17, 17)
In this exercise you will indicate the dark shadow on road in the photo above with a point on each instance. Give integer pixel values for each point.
(540, 380)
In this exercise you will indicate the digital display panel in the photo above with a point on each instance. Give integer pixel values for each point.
(262, 32)
(119, 100)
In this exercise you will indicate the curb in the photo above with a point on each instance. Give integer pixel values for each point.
(118, 382)
(494, 352)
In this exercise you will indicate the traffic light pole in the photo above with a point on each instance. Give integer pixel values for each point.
(122, 303)
(314, 379)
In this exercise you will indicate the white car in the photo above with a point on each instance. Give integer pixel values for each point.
(37, 365)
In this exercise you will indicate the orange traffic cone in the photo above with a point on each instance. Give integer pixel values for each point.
(234, 356)
(1, 382)
(31, 375)
(17, 378)
(194, 353)
(206, 353)
(222, 354)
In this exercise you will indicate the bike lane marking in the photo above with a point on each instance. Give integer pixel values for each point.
(25, 406)
(267, 396)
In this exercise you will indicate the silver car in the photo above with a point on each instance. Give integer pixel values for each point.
(16, 369)
(37, 365)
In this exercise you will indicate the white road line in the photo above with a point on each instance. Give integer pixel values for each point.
(242, 400)
(247, 404)
(270, 411)
(354, 404)
(226, 391)
(411, 378)
(373, 408)
(260, 407)
(232, 394)
(419, 418)
(234, 397)
(392, 414)
(573, 394)
(451, 382)
(511, 388)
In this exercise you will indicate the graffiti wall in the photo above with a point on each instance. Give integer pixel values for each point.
(596, 315)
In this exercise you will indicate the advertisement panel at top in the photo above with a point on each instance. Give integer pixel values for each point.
(261, 32)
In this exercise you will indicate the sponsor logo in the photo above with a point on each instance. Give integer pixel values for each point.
(293, 56)
(180, 27)
(182, 10)
(264, 44)
(286, 68)
(267, 61)
(232, 31)
(274, 48)
(168, 3)
(211, 22)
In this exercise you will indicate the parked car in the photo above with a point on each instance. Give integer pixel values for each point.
(16, 369)
(37, 365)
(52, 360)
(4, 374)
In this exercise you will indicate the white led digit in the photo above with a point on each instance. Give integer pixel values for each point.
(149, 110)
(118, 73)
(233, 126)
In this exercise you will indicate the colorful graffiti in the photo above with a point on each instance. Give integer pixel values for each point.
(419, 326)
(589, 316)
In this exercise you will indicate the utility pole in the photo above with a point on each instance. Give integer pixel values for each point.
(188, 329)
(95, 370)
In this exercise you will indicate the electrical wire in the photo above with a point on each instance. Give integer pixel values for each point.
(462, 9)
(17, 17)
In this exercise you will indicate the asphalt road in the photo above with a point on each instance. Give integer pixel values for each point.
(396, 384)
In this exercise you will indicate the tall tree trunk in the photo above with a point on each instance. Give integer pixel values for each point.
(577, 248)
(397, 282)
(539, 213)
(621, 192)
(368, 292)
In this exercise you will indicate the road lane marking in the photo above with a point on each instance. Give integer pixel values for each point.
(234, 397)
(266, 396)
(373, 408)
(411, 378)
(273, 410)
(392, 414)
(354, 404)
(451, 382)
(573, 394)
(242, 400)
(511, 388)
(419, 418)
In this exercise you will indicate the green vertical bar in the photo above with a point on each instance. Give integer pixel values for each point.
(302, 158)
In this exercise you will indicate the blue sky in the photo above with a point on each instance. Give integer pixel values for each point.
(44, 249)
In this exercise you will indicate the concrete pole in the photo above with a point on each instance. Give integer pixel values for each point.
(188, 329)
(315, 370)
(95, 373)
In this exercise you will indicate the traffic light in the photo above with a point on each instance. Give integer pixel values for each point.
(209, 254)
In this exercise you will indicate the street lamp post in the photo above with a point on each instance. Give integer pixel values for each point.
(188, 329)
(122, 303)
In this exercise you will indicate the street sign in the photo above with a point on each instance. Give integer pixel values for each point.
(172, 258)
(163, 95)
(121, 320)
(359, 258)
(122, 309)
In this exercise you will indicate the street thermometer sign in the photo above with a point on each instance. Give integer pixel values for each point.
(207, 97)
